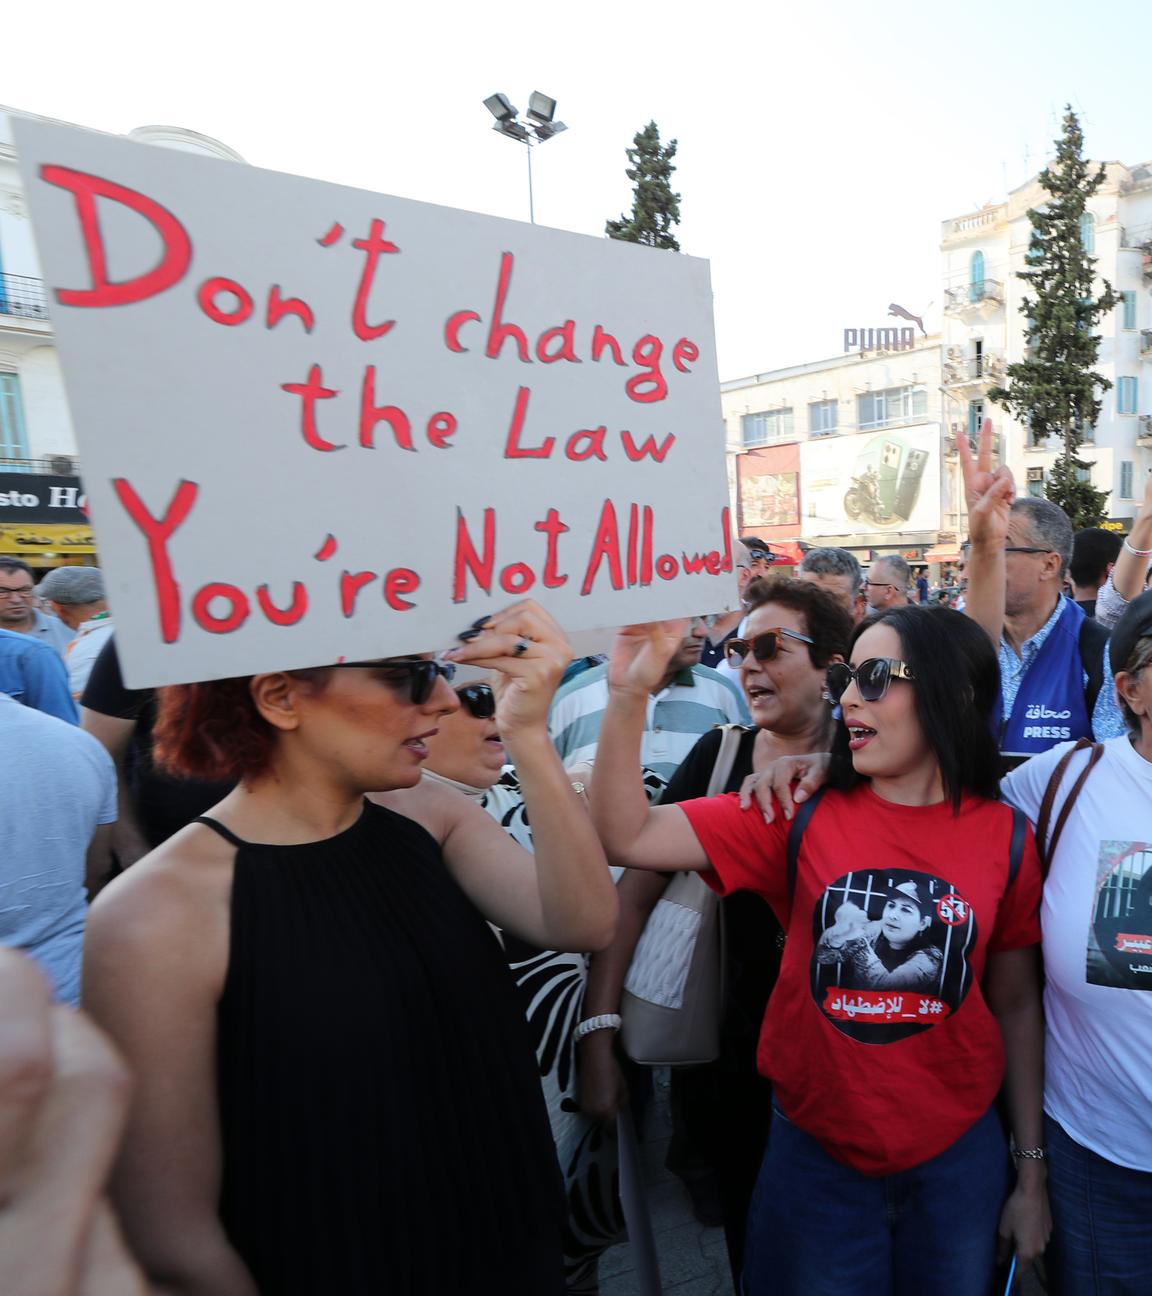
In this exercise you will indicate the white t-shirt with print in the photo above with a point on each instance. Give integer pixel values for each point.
(1097, 920)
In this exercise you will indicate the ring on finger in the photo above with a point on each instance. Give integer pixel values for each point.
(521, 648)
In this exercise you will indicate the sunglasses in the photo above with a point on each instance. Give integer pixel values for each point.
(966, 549)
(479, 700)
(871, 677)
(420, 676)
(763, 646)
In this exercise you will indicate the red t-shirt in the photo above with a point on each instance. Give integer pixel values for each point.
(877, 1037)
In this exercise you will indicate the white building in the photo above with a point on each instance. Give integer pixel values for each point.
(799, 438)
(36, 435)
(983, 329)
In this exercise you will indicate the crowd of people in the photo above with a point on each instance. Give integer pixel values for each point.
(353, 944)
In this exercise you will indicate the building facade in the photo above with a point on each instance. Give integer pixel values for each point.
(43, 521)
(860, 451)
(983, 330)
(849, 451)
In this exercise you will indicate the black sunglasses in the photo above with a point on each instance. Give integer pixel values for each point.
(479, 700)
(966, 549)
(762, 646)
(420, 675)
(872, 677)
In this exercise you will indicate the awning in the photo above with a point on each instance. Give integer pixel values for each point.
(47, 537)
(787, 552)
(942, 553)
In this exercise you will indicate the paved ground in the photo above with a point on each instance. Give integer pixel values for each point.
(692, 1258)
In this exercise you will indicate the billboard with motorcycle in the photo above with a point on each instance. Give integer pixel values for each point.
(883, 480)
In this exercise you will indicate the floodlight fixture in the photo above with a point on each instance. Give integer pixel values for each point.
(513, 129)
(540, 128)
(541, 108)
(545, 130)
(501, 107)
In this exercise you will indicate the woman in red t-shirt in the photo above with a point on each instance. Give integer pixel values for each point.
(887, 1168)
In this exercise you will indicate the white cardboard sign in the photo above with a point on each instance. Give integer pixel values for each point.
(318, 423)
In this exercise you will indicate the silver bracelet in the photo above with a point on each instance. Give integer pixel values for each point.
(1029, 1154)
(606, 1021)
(1140, 553)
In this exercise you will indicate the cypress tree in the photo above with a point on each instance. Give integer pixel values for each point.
(655, 208)
(1054, 389)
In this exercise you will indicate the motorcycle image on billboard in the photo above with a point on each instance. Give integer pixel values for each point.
(885, 480)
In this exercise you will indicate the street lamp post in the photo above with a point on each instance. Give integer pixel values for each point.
(540, 127)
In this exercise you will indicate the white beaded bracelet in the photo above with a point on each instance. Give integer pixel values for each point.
(606, 1021)
(1140, 553)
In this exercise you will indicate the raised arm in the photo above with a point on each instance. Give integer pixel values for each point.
(563, 896)
(633, 834)
(989, 494)
(1131, 570)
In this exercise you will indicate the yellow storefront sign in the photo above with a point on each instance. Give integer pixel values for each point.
(49, 537)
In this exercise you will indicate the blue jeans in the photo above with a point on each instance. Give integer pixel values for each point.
(819, 1228)
(1101, 1222)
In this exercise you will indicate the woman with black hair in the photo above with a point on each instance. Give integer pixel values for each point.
(887, 1168)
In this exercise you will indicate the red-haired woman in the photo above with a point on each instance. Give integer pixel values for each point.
(335, 1088)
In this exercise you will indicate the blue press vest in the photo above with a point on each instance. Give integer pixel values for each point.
(1050, 706)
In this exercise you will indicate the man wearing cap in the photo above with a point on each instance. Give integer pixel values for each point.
(728, 624)
(760, 556)
(76, 595)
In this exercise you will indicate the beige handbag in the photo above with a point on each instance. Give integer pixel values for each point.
(673, 997)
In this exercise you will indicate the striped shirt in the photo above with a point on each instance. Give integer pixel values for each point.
(697, 699)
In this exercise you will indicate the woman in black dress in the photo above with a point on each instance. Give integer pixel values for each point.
(335, 1089)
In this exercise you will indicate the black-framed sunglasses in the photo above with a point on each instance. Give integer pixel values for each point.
(479, 700)
(763, 647)
(966, 549)
(872, 677)
(420, 675)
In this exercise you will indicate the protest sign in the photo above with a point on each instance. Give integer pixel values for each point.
(317, 423)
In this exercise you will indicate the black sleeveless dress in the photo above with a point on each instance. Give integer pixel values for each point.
(382, 1124)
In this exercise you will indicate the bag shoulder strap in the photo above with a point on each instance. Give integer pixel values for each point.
(731, 735)
(1016, 848)
(1046, 845)
(796, 835)
(1093, 636)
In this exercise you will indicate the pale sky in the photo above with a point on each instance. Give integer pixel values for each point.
(819, 150)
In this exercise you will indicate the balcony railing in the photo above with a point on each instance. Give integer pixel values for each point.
(22, 296)
(1146, 342)
(1144, 431)
(972, 295)
(958, 370)
(61, 465)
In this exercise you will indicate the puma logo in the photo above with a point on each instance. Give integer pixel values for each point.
(893, 309)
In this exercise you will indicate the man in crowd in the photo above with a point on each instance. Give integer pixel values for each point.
(1054, 678)
(76, 595)
(18, 610)
(690, 700)
(57, 805)
(886, 585)
(922, 585)
(760, 556)
(727, 624)
(1094, 553)
(837, 571)
(33, 673)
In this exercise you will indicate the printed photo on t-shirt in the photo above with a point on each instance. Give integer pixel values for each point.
(1120, 937)
(891, 953)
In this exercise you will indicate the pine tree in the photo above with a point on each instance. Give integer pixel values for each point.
(1054, 390)
(655, 208)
